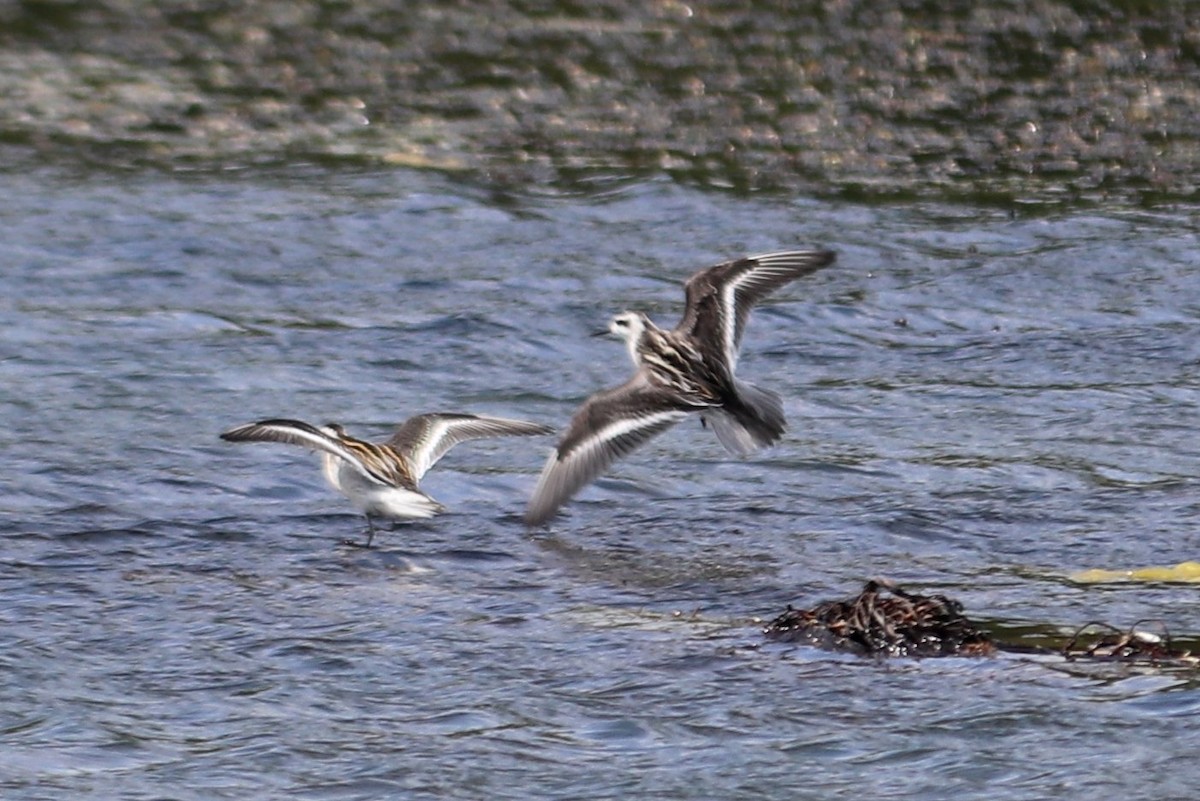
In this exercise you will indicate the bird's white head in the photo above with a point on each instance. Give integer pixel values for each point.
(629, 327)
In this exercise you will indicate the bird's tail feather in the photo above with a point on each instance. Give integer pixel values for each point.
(752, 421)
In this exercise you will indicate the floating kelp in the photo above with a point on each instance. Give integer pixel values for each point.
(1110, 644)
(884, 620)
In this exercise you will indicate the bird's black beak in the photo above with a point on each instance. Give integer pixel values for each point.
(602, 332)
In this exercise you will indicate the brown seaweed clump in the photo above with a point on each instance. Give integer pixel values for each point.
(873, 623)
(1135, 645)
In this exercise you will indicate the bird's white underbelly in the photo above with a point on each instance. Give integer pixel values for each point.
(396, 502)
(374, 499)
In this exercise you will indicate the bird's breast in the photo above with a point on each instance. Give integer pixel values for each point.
(677, 364)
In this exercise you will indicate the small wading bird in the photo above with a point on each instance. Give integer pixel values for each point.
(689, 369)
(382, 480)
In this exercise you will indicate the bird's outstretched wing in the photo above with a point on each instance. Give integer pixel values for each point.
(296, 432)
(609, 425)
(719, 299)
(426, 438)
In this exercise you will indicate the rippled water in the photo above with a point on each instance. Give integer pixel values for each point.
(981, 402)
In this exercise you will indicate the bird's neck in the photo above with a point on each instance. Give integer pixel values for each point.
(636, 342)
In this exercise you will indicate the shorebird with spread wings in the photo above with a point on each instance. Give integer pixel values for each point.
(687, 370)
(381, 480)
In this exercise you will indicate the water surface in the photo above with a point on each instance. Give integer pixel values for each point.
(981, 402)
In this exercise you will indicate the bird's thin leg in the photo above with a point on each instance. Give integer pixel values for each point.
(370, 536)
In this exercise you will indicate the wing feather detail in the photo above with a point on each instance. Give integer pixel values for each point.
(297, 432)
(719, 299)
(608, 426)
(426, 438)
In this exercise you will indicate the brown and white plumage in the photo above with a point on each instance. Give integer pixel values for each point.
(689, 369)
(382, 480)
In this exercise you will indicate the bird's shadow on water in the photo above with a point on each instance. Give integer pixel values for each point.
(655, 559)
(253, 555)
(326, 538)
(416, 546)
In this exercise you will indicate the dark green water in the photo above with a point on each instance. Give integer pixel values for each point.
(1085, 101)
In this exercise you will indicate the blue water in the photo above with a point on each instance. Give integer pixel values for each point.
(981, 402)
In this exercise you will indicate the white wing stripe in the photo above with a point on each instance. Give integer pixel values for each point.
(441, 433)
(325, 441)
(423, 450)
(619, 428)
